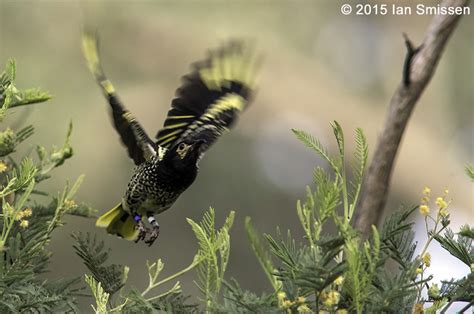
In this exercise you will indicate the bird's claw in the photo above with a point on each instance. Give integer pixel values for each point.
(155, 232)
(142, 231)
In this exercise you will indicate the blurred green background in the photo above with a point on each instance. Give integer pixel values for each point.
(319, 66)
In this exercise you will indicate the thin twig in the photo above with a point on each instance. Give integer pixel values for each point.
(420, 65)
(467, 307)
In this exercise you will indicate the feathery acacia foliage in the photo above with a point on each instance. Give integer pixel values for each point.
(333, 272)
(210, 262)
(339, 272)
(26, 227)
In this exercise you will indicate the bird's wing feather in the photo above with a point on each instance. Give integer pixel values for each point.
(140, 147)
(211, 96)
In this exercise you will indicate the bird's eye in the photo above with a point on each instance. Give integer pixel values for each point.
(181, 146)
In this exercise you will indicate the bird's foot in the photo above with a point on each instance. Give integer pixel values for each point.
(142, 231)
(155, 232)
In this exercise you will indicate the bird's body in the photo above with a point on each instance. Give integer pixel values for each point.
(206, 106)
(154, 186)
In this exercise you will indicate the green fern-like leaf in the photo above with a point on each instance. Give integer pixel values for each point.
(94, 255)
(261, 253)
(361, 155)
(316, 145)
(327, 196)
(458, 290)
(286, 251)
(339, 134)
(10, 96)
(214, 250)
(397, 237)
(393, 292)
(467, 231)
(461, 247)
(100, 295)
(175, 303)
(238, 300)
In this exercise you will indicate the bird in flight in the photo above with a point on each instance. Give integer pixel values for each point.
(206, 105)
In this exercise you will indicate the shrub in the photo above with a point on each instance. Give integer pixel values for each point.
(26, 225)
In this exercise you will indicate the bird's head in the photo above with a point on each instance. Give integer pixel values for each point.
(184, 153)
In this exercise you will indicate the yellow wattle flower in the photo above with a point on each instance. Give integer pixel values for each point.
(426, 191)
(424, 210)
(441, 203)
(286, 304)
(301, 299)
(331, 298)
(69, 204)
(304, 309)
(426, 259)
(339, 280)
(24, 224)
(27, 212)
(281, 296)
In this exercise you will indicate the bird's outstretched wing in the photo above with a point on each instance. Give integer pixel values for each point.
(140, 146)
(212, 95)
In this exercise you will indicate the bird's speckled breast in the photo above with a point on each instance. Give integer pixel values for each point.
(154, 188)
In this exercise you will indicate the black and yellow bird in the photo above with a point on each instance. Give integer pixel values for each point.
(206, 105)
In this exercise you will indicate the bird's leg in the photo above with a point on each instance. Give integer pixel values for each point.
(142, 231)
(155, 232)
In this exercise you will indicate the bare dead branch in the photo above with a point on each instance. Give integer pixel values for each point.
(420, 65)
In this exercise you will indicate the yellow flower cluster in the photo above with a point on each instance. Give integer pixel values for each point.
(70, 204)
(3, 167)
(434, 291)
(23, 214)
(330, 297)
(443, 205)
(426, 259)
(424, 208)
(303, 308)
(20, 216)
(281, 296)
(339, 280)
(284, 303)
(440, 202)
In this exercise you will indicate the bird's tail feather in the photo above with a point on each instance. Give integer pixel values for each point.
(118, 222)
